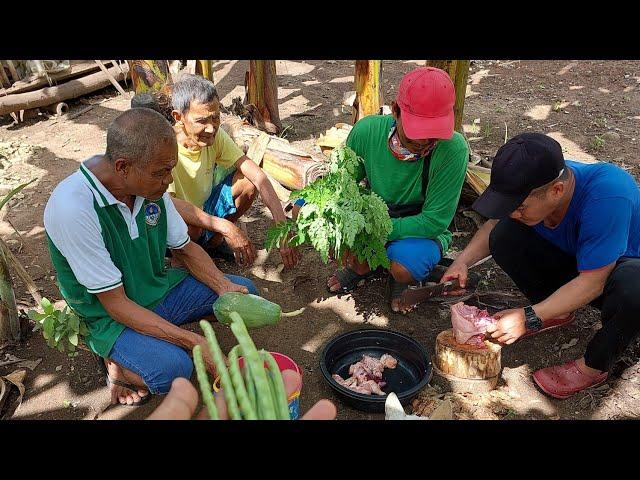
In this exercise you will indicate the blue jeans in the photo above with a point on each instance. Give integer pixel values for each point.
(159, 362)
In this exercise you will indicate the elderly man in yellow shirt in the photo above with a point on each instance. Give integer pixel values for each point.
(214, 183)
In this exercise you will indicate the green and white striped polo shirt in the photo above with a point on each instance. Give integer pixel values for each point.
(97, 243)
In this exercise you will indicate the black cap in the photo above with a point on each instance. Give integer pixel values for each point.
(524, 163)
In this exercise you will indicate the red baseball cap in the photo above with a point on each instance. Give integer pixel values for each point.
(426, 98)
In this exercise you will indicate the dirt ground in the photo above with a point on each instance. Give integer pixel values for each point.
(591, 107)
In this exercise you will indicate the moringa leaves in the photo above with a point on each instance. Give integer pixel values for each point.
(339, 215)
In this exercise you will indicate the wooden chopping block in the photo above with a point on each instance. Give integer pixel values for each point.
(466, 368)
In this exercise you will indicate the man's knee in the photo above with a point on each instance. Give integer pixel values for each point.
(242, 187)
(506, 233)
(624, 285)
(173, 364)
(245, 282)
(400, 273)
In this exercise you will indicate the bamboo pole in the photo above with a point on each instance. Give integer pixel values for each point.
(368, 84)
(262, 90)
(59, 93)
(111, 77)
(149, 75)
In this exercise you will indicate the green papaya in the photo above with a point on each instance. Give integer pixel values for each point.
(255, 311)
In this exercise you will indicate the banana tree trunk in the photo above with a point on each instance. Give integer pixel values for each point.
(262, 90)
(205, 68)
(9, 322)
(150, 75)
(368, 83)
(458, 70)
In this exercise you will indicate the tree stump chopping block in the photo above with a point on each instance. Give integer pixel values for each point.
(466, 368)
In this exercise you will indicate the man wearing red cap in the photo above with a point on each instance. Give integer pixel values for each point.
(568, 235)
(416, 162)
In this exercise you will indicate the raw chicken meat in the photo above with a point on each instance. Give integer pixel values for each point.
(470, 323)
(366, 375)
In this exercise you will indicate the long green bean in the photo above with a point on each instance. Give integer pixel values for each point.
(221, 368)
(246, 408)
(251, 388)
(280, 394)
(253, 361)
(203, 380)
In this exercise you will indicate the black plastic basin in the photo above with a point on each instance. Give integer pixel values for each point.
(411, 375)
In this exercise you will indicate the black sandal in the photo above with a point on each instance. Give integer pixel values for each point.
(395, 290)
(350, 280)
(128, 386)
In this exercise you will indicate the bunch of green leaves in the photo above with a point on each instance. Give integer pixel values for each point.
(61, 329)
(339, 215)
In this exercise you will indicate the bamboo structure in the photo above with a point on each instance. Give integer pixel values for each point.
(368, 84)
(458, 70)
(262, 90)
(150, 75)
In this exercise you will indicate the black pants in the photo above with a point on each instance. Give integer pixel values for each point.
(539, 268)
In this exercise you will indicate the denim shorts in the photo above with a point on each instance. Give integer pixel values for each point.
(159, 362)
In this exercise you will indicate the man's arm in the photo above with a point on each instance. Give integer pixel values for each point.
(442, 197)
(586, 287)
(255, 175)
(236, 239)
(477, 249)
(197, 217)
(202, 267)
(125, 311)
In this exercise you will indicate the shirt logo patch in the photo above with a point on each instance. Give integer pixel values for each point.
(152, 214)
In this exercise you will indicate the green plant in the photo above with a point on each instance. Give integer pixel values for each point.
(339, 215)
(61, 329)
(558, 105)
(597, 143)
(601, 122)
(286, 130)
(486, 130)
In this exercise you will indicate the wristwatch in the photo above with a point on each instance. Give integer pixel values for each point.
(532, 321)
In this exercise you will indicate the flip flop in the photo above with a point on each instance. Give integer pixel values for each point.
(395, 290)
(128, 386)
(350, 280)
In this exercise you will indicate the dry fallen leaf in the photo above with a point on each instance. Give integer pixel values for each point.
(16, 378)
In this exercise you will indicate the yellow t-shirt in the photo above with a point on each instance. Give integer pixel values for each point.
(193, 175)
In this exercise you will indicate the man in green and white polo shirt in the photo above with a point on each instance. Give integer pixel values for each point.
(108, 227)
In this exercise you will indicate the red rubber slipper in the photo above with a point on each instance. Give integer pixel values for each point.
(562, 381)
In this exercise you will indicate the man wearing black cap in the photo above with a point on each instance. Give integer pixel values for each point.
(568, 235)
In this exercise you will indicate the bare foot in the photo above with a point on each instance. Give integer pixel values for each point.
(120, 394)
(592, 372)
(333, 283)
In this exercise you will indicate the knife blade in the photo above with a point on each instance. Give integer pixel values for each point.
(416, 294)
